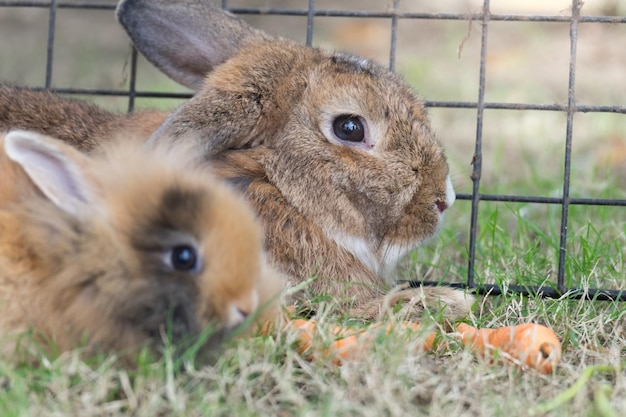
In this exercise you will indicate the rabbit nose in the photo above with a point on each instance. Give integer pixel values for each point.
(441, 206)
(237, 315)
(239, 310)
(450, 197)
(243, 313)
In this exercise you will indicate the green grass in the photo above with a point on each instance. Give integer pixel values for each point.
(265, 376)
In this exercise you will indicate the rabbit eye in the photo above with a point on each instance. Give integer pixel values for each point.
(349, 128)
(184, 258)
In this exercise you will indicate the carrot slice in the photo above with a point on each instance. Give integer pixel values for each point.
(348, 343)
(532, 344)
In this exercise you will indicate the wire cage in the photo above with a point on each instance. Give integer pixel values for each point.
(480, 22)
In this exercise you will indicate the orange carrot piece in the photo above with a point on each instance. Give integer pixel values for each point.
(346, 345)
(532, 344)
(349, 343)
(305, 330)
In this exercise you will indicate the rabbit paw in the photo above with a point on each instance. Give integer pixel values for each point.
(412, 303)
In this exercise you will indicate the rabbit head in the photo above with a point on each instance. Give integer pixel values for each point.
(344, 141)
(124, 248)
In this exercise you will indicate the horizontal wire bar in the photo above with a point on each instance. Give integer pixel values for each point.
(345, 13)
(581, 108)
(434, 16)
(61, 5)
(545, 200)
(541, 291)
(118, 93)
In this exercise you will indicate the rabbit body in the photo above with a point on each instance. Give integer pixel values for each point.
(77, 122)
(118, 249)
(334, 152)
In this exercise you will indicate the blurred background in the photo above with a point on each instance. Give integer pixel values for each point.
(527, 62)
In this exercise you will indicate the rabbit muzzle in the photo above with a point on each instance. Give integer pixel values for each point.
(443, 205)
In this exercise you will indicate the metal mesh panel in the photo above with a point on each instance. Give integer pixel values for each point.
(394, 15)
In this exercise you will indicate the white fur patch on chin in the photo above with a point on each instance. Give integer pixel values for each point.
(381, 262)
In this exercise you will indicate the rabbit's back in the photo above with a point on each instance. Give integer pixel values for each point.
(77, 122)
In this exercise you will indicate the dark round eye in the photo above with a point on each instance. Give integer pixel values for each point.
(349, 128)
(184, 258)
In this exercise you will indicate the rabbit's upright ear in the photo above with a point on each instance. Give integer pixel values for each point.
(185, 39)
(57, 170)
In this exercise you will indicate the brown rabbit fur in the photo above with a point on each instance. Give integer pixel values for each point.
(118, 249)
(277, 120)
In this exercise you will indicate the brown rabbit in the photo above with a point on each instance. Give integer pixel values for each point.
(118, 250)
(334, 152)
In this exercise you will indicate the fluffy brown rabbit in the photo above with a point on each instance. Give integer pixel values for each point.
(119, 250)
(334, 152)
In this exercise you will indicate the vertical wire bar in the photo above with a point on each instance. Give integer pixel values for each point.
(477, 160)
(132, 88)
(394, 36)
(224, 4)
(309, 23)
(50, 51)
(571, 109)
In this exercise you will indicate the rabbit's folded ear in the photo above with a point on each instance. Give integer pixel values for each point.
(185, 39)
(57, 170)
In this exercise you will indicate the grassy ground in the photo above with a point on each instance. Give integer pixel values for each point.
(517, 243)
(264, 376)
